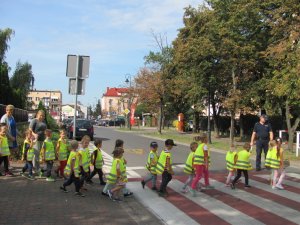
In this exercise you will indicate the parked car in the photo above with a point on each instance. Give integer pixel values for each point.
(103, 122)
(83, 127)
(116, 122)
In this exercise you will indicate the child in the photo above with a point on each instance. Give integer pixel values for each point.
(151, 166)
(242, 164)
(85, 161)
(116, 175)
(164, 167)
(120, 144)
(188, 168)
(274, 160)
(28, 153)
(62, 153)
(48, 155)
(72, 170)
(201, 163)
(230, 156)
(97, 161)
(4, 149)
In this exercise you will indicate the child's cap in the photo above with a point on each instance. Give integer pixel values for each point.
(170, 142)
(153, 144)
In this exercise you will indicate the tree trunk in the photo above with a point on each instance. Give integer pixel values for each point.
(241, 126)
(160, 115)
(291, 128)
(215, 118)
(196, 122)
(233, 110)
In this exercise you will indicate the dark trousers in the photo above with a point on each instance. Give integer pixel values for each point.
(73, 179)
(49, 166)
(166, 178)
(28, 166)
(83, 176)
(261, 145)
(5, 160)
(239, 174)
(100, 174)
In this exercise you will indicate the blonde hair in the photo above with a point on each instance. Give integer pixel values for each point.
(73, 144)
(272, 143)
(85, 138)
(193, 144)
(40, 112)
(247, 146)
(10, 107)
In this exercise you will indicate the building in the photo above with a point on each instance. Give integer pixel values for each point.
(114, 101)
(68, 111)
(52, 101)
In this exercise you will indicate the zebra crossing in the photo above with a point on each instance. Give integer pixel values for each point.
(257, 205)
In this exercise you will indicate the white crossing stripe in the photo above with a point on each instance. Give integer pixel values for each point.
(285, 181)
(159, 206)
(268, 205)
(217, 207)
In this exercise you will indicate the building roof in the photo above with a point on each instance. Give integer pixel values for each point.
(115, 92)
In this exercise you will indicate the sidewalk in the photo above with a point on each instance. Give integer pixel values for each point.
(40, 202)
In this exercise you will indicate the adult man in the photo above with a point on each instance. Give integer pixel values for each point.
(263, 131)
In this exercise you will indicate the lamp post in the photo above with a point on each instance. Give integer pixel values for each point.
(128, 82)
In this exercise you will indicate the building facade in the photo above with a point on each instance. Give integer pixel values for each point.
(114, 101)
(52, 100)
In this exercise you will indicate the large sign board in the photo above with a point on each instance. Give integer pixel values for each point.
(83, 66)
(80, 87)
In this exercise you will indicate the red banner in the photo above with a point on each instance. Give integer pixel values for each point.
(132, 111)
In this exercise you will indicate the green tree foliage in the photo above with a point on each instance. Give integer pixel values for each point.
(51, 123)
(5, 36)
(5, 90)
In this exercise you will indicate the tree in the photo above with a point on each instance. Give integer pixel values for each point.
(98, 110)
(50, 122)
(21, 82)
(5, 36)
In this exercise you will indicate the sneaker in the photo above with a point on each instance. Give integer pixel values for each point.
(63, 189)
(184, 190)
(8, 174)
(154, 189)
(232, 186)
(162, 194)
(227, 185)
(247, 186)
(31, 177)
(79, 194)
(50, 179)
(193, 192)
(128, 194)
(143, 184)
(103, 183)
(274, 188)
(110, 194)
(104, 193)
(21, 173)
(279, 186)
(41, 175)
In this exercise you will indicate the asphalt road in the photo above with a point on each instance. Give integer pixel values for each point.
(137, 148)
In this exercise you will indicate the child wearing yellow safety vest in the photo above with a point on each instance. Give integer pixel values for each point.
(188, 168)
(117, 175)
(164, 167)
(97, 162)
(242, 164)
(151, 166)
(85, 160)
(4, 149)
(201, 163)
(72, 170)
(48, 155)
(62, 153)
(274, 160)
(230, 157)
(27, 154)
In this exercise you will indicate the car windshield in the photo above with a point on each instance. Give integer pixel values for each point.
(82, 122)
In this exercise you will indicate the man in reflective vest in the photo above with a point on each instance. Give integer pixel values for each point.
(164, 167)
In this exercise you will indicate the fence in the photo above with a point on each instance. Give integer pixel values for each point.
(20, 115)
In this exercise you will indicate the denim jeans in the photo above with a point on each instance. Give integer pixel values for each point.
(28, 166)
(73, 179)
(151, 177)
(166, 178)
(36, 159)
(49, 166)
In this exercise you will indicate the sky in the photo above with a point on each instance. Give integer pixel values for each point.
(116, 34)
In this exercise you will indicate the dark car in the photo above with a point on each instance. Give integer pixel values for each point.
(116, 122)
(83, 127)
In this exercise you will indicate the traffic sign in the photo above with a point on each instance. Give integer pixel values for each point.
(126, 111)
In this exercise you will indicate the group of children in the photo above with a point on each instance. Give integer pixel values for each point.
(76, 158)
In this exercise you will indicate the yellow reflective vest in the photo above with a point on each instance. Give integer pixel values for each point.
(67, 170)
(272, 160)
(49, 153)
(199, 155)
(230, 160)
(30, 151)
(188, 168)
(99, 159)
(85, 159)
(150, 166)
(161, 164)
(112, 177)
(4, 148)
(243, 160)
(63, 150)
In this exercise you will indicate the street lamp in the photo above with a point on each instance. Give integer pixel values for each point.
(128, 82)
